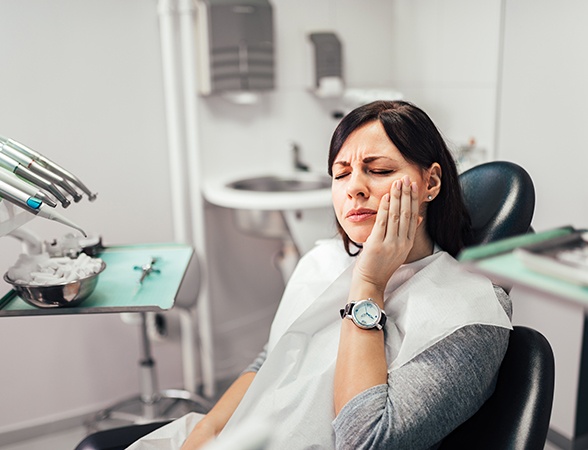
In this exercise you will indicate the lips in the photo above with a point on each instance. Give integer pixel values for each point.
(360, 215)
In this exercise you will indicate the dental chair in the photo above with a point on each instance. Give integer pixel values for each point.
(500, 198)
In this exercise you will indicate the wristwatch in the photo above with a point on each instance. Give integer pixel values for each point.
(365, 314)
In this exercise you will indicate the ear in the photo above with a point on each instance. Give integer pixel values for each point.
(433, 181)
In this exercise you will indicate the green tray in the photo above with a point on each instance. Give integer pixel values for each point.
(118, 289)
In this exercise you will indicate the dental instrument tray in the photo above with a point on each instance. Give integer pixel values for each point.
(118, 289)
(563, 257)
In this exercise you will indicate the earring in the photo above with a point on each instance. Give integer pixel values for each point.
(430, 197)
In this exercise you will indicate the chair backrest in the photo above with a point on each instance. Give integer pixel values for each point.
(516, 416)
(118, 438)
(500, 198)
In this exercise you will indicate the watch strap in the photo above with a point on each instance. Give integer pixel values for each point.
(346, 312)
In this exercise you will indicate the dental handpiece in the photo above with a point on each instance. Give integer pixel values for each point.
(56, 168)
(17, 168)
(35, 167)
(19, 183)
(33, 205)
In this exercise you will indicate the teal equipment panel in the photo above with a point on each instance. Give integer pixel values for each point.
(498, 262)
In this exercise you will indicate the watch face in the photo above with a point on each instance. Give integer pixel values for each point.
(366, 314)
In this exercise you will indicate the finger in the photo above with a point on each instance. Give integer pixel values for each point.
(381, 223)
(415, 219)
(394, 212)
(405, 208)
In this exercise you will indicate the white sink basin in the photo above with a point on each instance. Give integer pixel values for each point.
(271, 192)
(279, 183)
(294, 207)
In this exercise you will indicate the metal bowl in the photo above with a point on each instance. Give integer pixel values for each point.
(60, 295)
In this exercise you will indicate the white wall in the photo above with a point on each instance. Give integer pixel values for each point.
(445, 56)
(544, 104)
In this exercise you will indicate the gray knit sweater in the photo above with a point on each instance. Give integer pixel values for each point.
(429, 396)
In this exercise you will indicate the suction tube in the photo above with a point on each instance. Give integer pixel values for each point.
(34, 205)
(51, 214)
(17, 168)
(52, 166)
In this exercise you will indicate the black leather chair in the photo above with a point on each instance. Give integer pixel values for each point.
(516, 416)
(500, 198)
(117, 438)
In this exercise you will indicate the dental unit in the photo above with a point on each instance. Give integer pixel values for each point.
(33, 205)
(14, 166)
(48, 164)
(9, 150)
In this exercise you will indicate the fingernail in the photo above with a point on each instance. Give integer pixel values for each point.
(386, 197)
(406, 180)
(398, 184)
(413, 186)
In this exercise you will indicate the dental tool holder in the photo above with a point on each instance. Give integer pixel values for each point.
(34, 183)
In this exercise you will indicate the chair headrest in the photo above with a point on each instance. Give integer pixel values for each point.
(500, 198)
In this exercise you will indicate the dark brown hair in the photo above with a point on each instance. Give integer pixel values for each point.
(417, 138)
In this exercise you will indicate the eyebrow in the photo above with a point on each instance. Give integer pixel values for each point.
(366, 160)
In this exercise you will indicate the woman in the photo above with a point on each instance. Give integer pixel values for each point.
(418, 342)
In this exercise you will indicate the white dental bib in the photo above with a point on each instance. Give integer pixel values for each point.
(425, 301)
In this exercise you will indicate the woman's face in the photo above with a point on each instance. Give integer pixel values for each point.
(363, 172)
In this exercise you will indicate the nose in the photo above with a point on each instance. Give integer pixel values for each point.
(357, 186)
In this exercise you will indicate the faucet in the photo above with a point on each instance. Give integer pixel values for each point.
(298, 164)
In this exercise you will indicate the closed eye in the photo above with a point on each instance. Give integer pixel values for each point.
(382, 171)
(341, 175)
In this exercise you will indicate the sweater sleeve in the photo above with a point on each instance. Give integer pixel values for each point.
(429, 396)
(257, 362)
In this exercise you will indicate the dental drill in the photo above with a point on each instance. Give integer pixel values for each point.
(33, 205)
(53, 167)
(9, 150)
(18, 183)
(14, 166)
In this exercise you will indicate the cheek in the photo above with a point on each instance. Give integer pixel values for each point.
(383, 188)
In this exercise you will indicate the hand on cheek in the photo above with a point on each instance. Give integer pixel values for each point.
(392, 236)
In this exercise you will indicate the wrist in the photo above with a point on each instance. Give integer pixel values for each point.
(367, 291)
(366, 286)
